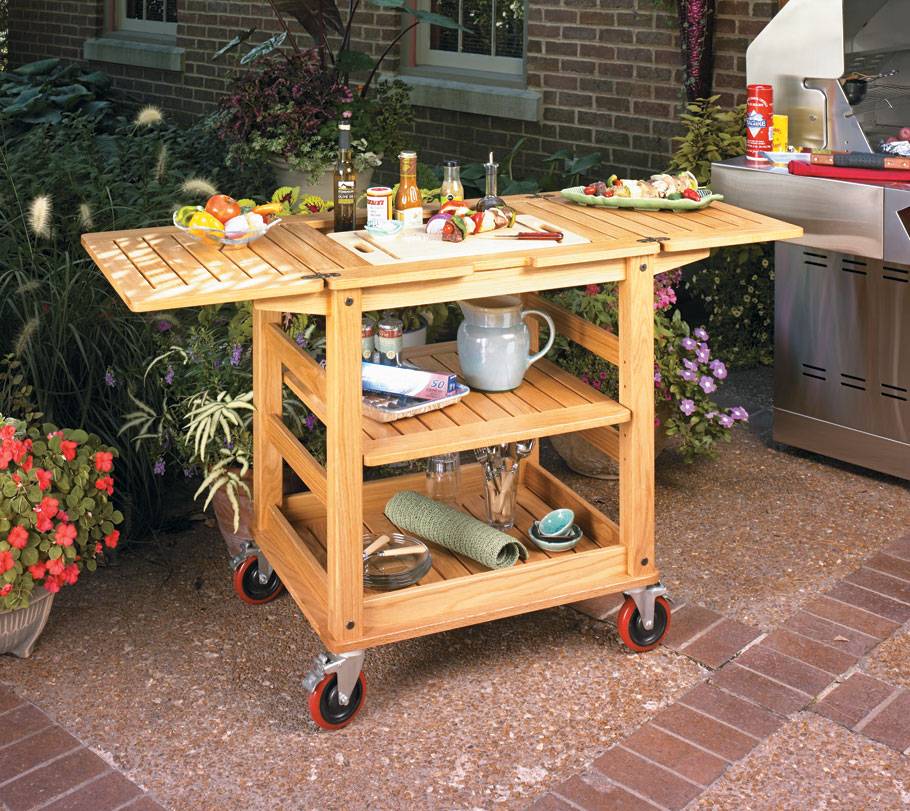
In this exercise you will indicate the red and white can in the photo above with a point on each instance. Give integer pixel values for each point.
(379, 205)
(759, 120)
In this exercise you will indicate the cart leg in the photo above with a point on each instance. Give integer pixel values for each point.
(336, 688)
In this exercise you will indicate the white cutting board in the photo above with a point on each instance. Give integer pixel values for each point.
(417, 245)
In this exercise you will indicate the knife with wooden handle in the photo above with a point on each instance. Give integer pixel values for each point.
(860, 160)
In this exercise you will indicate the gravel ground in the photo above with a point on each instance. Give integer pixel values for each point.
(197, 695)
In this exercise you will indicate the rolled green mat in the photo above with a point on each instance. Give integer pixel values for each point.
(453, 529)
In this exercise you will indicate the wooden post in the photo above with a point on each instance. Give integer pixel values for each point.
(636, 437)
(267, 462)
(534, 330)
(344, 466)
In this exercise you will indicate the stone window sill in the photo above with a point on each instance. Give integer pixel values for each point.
(482, 99)
(137, 51)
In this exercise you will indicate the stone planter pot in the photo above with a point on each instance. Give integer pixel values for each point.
(20, 629)
(286, 176)
(583, 458)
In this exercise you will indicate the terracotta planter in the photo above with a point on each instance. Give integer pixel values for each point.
(322, 187)
(20, 629)
(583, 458)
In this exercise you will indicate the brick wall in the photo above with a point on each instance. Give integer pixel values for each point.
(609, 71)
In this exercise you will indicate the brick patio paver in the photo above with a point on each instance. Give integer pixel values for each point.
(755, 687)
(43, 766)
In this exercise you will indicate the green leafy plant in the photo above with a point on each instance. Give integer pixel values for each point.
(712, 134)
(56, 513)
(16, 395)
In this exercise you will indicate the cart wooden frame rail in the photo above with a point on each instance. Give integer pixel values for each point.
(313, 539)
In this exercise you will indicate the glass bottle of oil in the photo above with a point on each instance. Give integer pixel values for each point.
(345, 182)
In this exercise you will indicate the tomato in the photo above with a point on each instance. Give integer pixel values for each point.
(590, 189)
(691, 194)
(222, 207)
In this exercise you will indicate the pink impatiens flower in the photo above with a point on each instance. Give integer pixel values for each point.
(18, 537)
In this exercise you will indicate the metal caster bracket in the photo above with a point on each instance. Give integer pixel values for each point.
(346, 665)
(644, 598)
(264, 567)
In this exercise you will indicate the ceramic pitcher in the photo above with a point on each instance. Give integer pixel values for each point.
(494, 342)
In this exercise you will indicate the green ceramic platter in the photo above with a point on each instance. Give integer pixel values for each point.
(577, 195)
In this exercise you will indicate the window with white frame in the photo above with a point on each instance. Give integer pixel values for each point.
(147, 16)
(495, 41)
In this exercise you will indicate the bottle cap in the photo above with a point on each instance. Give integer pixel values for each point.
(344, 125)
(451, 163)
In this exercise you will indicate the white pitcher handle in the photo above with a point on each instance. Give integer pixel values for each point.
(540, 314)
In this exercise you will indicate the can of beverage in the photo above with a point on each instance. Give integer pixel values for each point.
(367, 328)
(759, 120)
(379, 205)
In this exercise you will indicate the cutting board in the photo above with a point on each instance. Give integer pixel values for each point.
(409, 247)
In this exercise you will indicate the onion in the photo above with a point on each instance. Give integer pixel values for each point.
(436, 223)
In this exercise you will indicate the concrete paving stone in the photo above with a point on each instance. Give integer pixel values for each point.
(811, 764)
(108, 792)
(851, 616)
(887, 564)
(35, 750)
(646, 779)
(824, 657)
(22, 721)
(720, 643)
(830, 633)
(891, 725)
(759, 689)
(883, 584)
(900, 548)
(146, 803)
(8, 700)
(853, 700)
(594, 792)
(806, 678)
(733, 710)
(682, 757)
(50, 781)
(871, 601)
(696, 727)
(601, 608)
(688, 621)
(890, 661)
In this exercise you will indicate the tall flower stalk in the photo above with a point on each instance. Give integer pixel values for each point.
(696, 20)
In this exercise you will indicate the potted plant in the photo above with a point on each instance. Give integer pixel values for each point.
(195, 410)
(685, 377)
(56, 520)
(286, 110)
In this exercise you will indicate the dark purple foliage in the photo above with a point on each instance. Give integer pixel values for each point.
(696, 19)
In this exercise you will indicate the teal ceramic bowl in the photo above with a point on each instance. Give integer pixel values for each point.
(555, 544)
(556, 524)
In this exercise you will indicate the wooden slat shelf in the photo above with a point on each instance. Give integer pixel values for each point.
(550, 401)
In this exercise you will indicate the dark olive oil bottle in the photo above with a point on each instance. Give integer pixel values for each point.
(345, 182)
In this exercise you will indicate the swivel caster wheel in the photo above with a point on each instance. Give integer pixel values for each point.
(631, 625)
(326, 708)
(254, 586)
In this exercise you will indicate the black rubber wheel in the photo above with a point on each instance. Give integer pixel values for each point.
(325, 708)
(248, 586)
(632, 629)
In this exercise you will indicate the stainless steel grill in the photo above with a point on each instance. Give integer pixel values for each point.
(842, 306)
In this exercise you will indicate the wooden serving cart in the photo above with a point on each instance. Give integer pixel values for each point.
(312, 540)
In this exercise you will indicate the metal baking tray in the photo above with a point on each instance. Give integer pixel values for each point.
(391, 407)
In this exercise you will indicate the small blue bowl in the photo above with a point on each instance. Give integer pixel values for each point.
(562, 544)
(556, 524)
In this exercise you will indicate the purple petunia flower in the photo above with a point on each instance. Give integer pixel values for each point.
(603, 375)
(718, 369)
(725, 420)
(300, 340)
(310, 421)
(710, 415)
(688, 375)
(236, 355)
(690, 364)
(158, 469)
(700, 333)
(109, 379)
(702, 353)
(739, 413)
(688, 343)
(163, 326)
(169, 375)
(657, 376)
(687, 407)
(708, 386)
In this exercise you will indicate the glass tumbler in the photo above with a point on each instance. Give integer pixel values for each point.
(444, 478)
(500, 485)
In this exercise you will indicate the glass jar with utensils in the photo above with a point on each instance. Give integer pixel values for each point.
(501, 464)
